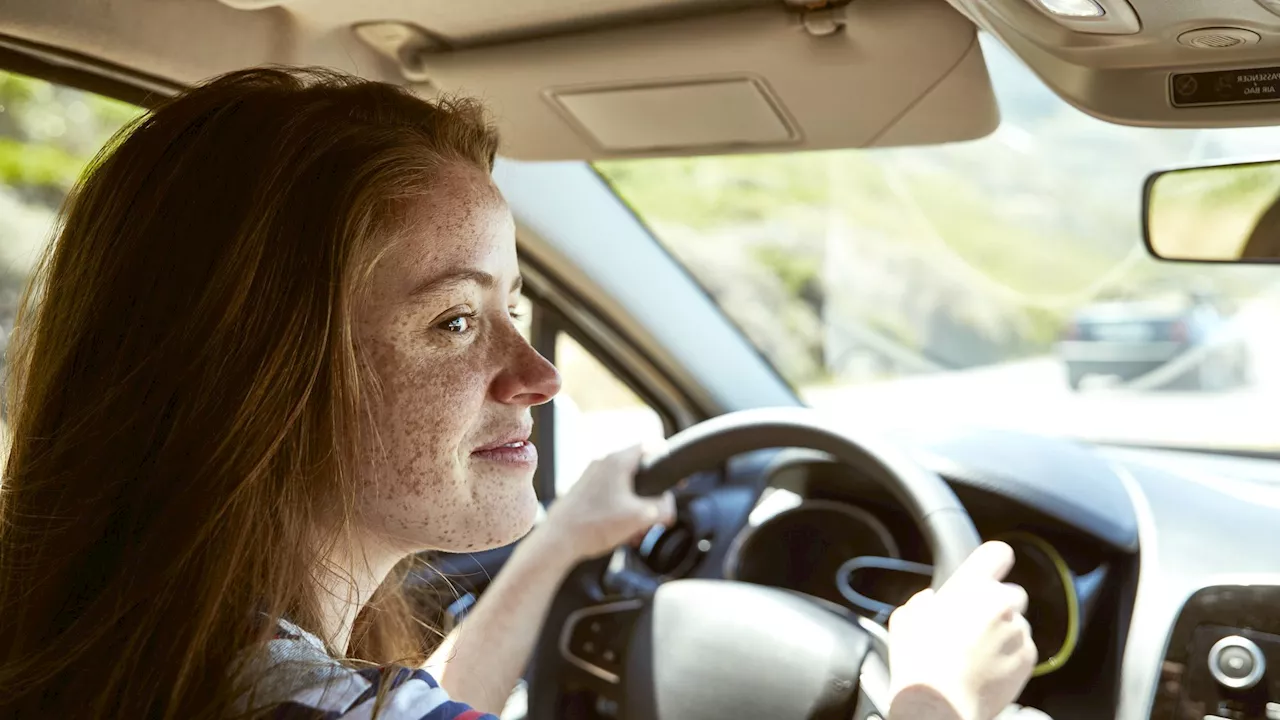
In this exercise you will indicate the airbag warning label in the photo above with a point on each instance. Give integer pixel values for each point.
(1225, 87)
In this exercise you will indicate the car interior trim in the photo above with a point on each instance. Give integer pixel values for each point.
(566, 635)
(66, 67)
(844, 581)
(1173, 569)
(560, 209)
(627, 362)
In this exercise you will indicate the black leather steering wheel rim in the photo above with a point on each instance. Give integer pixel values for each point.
(674, 623)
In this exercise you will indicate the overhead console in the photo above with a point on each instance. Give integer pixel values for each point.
(1223, 658)
(1148, 62)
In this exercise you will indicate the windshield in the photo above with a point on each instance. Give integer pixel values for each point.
(999, 282)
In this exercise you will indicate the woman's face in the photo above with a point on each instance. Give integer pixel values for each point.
(458, 380)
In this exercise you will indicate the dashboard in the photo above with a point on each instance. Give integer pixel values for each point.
(1153, 576)
(1128, 555)
(822, 529)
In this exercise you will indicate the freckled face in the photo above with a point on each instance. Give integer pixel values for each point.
(455, 468)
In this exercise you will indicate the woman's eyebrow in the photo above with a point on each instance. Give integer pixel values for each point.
(453, 280)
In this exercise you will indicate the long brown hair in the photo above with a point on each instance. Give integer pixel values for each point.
(188, 401)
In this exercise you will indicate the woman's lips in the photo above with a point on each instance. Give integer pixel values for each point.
(521, 452)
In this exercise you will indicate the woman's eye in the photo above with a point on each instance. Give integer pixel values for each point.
(457, 324)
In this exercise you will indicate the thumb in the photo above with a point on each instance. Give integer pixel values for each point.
(661, 510)
(991, 561)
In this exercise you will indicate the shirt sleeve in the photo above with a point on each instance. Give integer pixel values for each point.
(411, 695)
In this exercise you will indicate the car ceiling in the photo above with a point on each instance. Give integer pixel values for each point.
(586, 79)
(1125, 75)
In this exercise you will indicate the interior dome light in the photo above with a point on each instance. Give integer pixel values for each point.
(1073, 8)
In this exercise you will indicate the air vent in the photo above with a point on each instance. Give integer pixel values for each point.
(1218, 38)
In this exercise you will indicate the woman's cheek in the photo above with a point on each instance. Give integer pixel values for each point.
(444, 399)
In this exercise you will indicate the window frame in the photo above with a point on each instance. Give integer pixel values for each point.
(547, 324)
(83, 72)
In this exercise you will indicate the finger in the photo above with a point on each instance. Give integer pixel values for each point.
(1024, 627)
(1019, 645)
(1010, 713)
(920, 598)
(660, 510)
(649, 451)
(619, 468)
(628, 459)
(1017, 597)
(910, 607)
(991, 561)
(638, 538)
(652, 449)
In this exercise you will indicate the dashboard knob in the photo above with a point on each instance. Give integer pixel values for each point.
(1236, 662)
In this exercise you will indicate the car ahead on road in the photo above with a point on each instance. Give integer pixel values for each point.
(1133, 340)
(717, 204)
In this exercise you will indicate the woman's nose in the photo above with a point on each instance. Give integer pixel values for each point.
(528, 379)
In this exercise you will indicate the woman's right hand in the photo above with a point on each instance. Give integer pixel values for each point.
(964, 652)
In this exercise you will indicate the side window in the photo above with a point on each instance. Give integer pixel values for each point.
(595, 413)
(524, 317)
(48, 134)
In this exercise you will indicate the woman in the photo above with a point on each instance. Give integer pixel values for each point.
(268, 359)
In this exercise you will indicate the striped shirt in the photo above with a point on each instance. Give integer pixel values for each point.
(303, 682)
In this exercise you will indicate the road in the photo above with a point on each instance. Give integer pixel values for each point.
(1033, 395)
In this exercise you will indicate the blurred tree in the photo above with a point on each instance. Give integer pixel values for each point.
(48, 135)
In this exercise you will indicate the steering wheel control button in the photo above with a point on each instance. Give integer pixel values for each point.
(595, 637)
(1236, 662)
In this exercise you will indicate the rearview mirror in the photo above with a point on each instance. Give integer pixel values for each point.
(1225, 213)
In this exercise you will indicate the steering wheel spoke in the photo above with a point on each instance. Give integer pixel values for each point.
(873, 687)
(595, 639)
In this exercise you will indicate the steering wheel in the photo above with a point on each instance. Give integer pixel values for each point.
(711, 649)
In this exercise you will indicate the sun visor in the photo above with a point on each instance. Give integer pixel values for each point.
(898, 72)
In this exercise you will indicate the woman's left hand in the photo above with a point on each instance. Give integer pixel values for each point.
(602, 511)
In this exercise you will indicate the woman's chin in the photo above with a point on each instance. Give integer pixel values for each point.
(501, 519)
(485, 511)
(515, 525)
